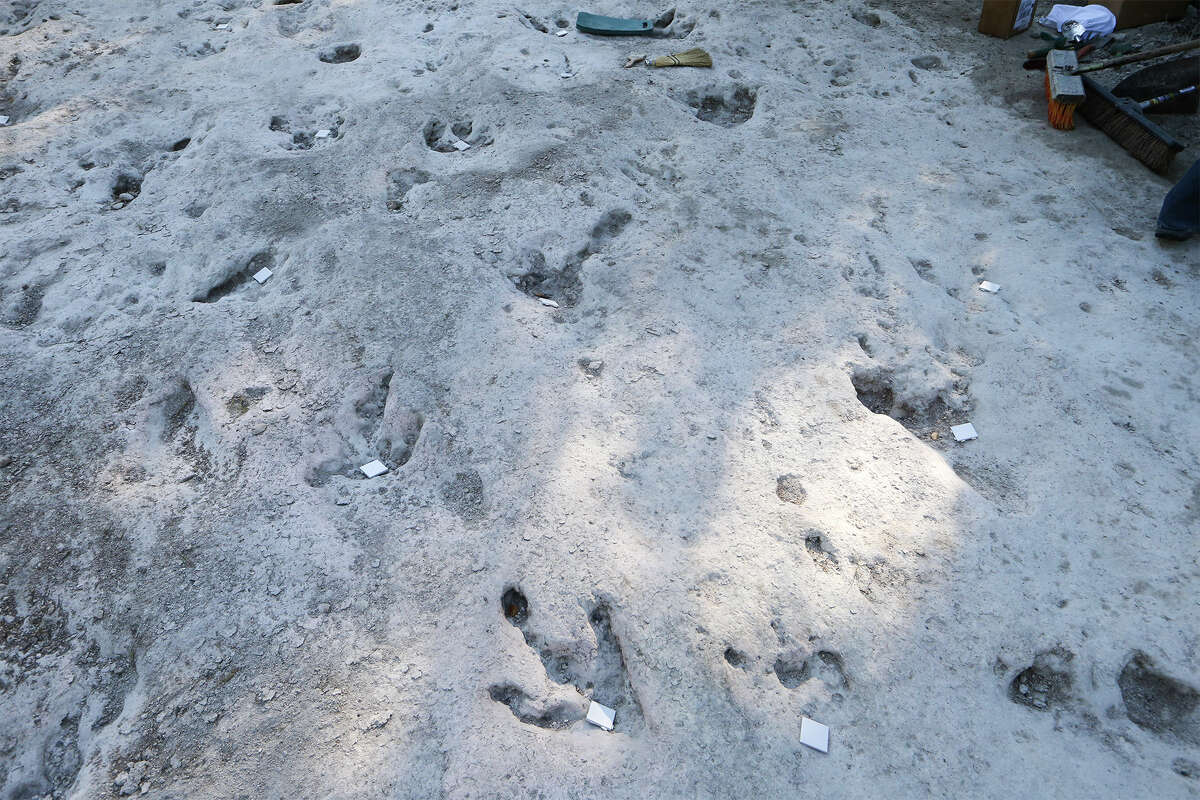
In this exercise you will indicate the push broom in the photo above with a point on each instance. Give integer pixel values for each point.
(1122, 119)
(1064, 95)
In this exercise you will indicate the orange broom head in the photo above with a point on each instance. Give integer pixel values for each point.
(1060, 114)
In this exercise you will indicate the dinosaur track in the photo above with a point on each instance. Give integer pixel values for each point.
(597, 673)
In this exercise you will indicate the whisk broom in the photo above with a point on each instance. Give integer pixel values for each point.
(688, 58)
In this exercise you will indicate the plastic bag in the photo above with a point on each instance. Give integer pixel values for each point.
(1096, 20)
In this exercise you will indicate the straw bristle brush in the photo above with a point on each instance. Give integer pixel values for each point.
(688, 58)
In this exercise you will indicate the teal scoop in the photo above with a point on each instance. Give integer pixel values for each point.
(613, 26)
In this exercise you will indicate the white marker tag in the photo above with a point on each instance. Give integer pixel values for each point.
(373, 469)
(964, 433)
(601, 716)
(815, 735)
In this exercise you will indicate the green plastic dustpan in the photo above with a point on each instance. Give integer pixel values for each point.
(613, 26)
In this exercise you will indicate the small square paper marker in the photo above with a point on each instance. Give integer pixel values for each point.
(262, 275)
(323, 133)
(814, 734)
(989, 287)
(601, 716)
(374, 469)
(964, 433)
(460, 145)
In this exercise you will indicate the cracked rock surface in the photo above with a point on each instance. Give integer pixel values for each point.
(709, 483)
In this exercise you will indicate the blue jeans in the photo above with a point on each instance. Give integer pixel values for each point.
(1180, 213)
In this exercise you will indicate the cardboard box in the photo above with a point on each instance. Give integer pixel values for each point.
(1131, 13)
(1005, 18)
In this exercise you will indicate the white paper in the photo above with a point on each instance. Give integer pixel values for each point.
(3, 120)
(813, 734)
(460, 145)
(373, 469)
(601, 716)
(323, 133)
(262, 275)
(964, 433)
(547, 303)
(989, 287)
(562, 33)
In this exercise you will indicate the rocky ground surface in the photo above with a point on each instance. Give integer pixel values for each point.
(663, 368)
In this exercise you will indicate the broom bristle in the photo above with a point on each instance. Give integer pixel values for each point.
(1126, 126)
(1060, 114)
(689, 58)
(1125, 131)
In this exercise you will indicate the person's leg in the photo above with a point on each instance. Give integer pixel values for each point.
(1180, 215)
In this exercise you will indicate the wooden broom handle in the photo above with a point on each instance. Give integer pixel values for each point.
(1130, 59)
